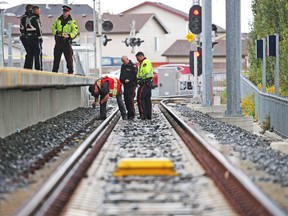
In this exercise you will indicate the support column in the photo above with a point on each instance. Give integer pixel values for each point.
(233, 56)
(207, 60)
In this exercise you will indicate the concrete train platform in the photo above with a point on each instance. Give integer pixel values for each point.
(29, 96)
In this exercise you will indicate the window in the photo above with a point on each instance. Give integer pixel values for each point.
(156, 42)
(111, 61)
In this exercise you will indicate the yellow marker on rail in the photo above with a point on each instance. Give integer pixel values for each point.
(144, 166)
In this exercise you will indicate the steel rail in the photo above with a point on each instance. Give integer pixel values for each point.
(50, 186)
(240, 191)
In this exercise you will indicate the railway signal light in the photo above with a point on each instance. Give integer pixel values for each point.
(107, 25)
(133, 42)
(105, 40)
(136, 42)
(199, 61)
(195, 19)
(89, 25)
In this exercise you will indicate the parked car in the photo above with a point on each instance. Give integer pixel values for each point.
(116, 74)
(111, 61)
(181, 68)
(155, 79)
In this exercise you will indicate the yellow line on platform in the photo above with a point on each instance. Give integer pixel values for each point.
(27, 71)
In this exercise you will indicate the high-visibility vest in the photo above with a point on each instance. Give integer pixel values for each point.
(70, 28)
(114, 85)
(145, 70)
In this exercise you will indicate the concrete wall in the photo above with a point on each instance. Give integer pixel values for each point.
(27, 97)
(20, 109)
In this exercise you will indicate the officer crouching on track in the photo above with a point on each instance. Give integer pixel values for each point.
(128, 79)
(107, 87)
(144, 80)
(65, 30)
(34, 40)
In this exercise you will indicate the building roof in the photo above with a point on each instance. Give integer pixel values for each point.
(52, 9)
(220, 48)
(121, 23)
(162, 6)
(181, 48)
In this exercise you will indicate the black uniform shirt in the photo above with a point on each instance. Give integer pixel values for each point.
(35, 25)
(128, 71)
(103, 91)
(23, 20)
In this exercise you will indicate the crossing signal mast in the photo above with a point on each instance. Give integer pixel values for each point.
(132, 40)
(195, 54)
(107, 26)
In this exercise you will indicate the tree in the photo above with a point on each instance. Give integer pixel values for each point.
(270, 17)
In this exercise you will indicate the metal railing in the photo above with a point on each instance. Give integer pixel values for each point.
(268, 105)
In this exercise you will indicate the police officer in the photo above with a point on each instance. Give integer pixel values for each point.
(65, 30)
(144, 80)
(23, 36)
(128, 79)
(34, 40)
(107, 87)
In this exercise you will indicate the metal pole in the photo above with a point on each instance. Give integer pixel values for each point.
(264, 67)
(197, 40)
(100, 38)
(195, 90)
(207, 52)
(277, 66)
(233, 57)
(21, 55)
(94, 35)
(133, 34)
(2, 38)
(9, 45)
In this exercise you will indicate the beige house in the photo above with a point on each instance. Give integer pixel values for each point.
(163, 32)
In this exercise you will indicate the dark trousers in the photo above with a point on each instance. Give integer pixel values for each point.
(23, 39)
(129, 94)
(63, 47)
(34, 53)
(144, 101)
(103, 110)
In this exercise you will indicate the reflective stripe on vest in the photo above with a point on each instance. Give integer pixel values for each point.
(114, 85)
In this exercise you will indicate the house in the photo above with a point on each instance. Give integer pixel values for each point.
(144, 25)
(162, 31)
(177, 53)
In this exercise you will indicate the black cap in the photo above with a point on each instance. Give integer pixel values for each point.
(140, 54)
(66, 8)
(28, 7)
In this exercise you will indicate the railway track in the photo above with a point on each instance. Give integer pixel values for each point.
(206, 182)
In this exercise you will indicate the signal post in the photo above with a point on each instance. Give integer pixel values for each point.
(195, 55)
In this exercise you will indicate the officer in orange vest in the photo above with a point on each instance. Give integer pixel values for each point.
(107, 87)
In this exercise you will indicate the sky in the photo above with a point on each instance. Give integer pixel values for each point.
(117, 6)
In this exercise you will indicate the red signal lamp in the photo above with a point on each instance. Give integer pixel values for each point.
(196, 12)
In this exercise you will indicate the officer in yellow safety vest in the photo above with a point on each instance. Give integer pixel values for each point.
(144, 80)
(107, 87)
(65, 30)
